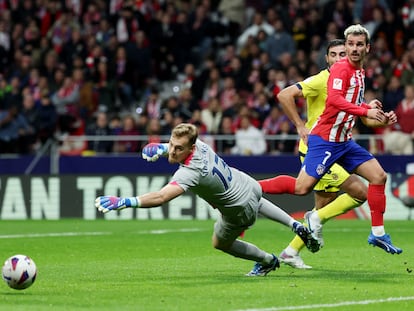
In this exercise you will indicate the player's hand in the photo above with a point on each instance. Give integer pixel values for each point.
(375, 103)
(377, 114)
(153, 151)
(303, 133)
(109, 203)
(391, 117)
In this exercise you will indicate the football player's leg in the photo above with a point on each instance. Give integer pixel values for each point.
(327, 204)
(225, 239)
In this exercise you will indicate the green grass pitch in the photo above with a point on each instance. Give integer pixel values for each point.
(170, 265)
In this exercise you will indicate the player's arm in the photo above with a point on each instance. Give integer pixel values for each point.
(337, 88)
(165, 194)
(151, 199)
(287, 97)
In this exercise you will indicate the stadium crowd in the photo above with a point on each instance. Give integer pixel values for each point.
(124, 67)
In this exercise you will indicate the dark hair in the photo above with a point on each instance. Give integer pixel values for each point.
(334, 42)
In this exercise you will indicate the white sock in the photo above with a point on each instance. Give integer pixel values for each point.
(291, 251)
(378, 230)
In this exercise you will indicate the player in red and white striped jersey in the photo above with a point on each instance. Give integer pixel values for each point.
(330, 139)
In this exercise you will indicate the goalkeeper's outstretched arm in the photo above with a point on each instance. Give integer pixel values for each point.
(109, 203)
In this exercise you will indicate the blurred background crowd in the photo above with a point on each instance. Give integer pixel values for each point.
(126, 68)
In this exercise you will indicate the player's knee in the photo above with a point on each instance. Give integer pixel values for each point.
(217, 244)
(380, 178)
(302, 189)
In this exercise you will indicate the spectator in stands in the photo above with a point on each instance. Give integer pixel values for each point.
(226, 94)
(393, 94)
(100, 128)
(173, 107)
(115, 124)
(259, 23)
(212, 115)
(66, 100)
(14, 131)
(249, 139)
(103, 86)
(129, 128)
(225, 145)
(30, 113)
(74, 47)
(153, 130)
(153, 104)
(47, 119)
(286, 143)
(122, 72)
(12, 97)
(399, 139)
(212, 87)
(162, 39)
(139, 54)
(280, 42)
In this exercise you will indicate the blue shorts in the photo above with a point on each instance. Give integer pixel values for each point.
(323, 154)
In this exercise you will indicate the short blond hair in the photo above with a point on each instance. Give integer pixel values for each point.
(186, 129)
(357, 29)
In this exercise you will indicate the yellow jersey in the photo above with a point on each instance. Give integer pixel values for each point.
(315, 91)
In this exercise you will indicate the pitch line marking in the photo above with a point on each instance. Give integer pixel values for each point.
(54, 234)
(164, 231)
(333, 305)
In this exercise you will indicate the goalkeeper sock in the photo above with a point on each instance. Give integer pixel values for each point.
(279, 185)
(339, 206)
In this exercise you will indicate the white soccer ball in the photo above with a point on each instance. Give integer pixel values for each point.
(19, 271)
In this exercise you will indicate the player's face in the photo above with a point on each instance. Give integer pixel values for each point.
(335, 53)
(356, 48)
(179, 149)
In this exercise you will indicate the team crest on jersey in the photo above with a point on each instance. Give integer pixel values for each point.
(337, 84)
(320, 170)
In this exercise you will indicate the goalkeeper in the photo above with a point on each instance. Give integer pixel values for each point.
(203, 172)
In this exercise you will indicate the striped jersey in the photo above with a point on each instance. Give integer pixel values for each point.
(345, 96)
(223, 187)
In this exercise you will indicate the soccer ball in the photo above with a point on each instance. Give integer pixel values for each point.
(19, 271)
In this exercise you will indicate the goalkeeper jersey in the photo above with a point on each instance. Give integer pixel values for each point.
(222, 186)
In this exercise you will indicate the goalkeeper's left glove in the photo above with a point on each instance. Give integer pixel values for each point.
(153, 151)
(109, 203)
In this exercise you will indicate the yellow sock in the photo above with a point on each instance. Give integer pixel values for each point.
(339, 206)
(297, 243)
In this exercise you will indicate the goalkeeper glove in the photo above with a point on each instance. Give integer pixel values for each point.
(108, 203)
(153, 151)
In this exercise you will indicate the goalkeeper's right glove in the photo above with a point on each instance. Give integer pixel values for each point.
(109, 203)
(153, 151)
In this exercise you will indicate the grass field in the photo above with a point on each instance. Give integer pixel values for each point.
(170, 265)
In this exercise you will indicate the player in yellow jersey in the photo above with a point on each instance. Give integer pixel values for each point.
(327, 202)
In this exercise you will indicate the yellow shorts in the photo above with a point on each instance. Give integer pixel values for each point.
(332, 180)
